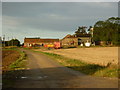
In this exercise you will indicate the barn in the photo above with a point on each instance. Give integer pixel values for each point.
(69, 40)
(30, 42)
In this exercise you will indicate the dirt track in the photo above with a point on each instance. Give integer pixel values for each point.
(96, 55)
(46, 73)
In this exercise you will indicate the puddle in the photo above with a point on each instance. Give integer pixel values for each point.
(39, 77)
(24, 77)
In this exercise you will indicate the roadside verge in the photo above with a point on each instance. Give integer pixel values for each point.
(84, 67)
(14, 69)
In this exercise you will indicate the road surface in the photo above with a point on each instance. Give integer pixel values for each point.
(46, 73)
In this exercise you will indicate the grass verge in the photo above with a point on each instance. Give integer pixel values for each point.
(15, 70)
(20, 62)
(89, 69)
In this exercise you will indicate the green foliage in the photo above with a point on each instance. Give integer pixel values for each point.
(13, 42)
(108, 72)
(20, 62)
(107, 31)
(81, 32)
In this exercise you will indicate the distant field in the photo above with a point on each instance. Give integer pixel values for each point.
(95, 55)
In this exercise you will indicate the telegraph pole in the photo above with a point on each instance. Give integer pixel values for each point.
(8, 41)
(12, 41)
(3, 40)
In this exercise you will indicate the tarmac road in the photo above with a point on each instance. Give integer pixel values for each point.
(46, 73)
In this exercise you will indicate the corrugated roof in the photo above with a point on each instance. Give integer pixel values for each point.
(38, 40)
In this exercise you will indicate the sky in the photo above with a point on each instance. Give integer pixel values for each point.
(52, 19)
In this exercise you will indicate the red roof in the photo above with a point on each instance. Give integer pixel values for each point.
(38, 40)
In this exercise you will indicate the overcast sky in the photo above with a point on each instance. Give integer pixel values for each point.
(52, 19)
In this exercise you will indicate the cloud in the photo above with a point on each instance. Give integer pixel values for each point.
(61, 1)
(0, 19)
(54, 15)
(52, 19)
(11, 21)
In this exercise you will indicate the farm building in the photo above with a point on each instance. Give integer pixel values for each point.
(73, 40)
(68, 40)
(28, 42)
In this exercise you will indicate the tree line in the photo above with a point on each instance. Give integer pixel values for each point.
(12, 42)
(107, 31)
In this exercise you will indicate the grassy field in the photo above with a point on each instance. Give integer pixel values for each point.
(86, 68)
(13, 63)
(92, 55)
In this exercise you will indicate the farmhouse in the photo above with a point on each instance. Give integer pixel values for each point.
(73, 40)
(68, 40)
(28, 42)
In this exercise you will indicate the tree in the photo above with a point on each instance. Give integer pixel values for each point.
(81, 31)
(14, 42)
(107, 31)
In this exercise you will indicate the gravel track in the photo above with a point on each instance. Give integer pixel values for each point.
(46, 73)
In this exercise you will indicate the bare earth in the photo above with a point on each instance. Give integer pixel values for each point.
(46, 73)
(96, 55)
(8, 57)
